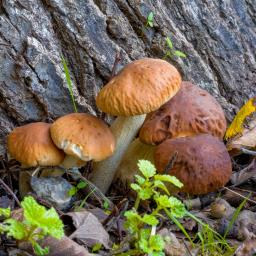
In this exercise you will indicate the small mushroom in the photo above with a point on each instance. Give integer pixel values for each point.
(139, 88)
(32, 146)
(82, 137)
(191, 111)
(203, 164)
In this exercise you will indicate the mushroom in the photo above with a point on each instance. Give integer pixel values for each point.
(191, 111)
(139, 88)
(32, 146)
(82, 137)
(203, 164)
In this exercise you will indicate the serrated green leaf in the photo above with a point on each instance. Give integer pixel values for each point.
(147, 168)
(81, 185)
(180, 54)
(169, 42)
(139, 179)
(5, 212)
(133, 220)
(39, 250)
(135, 187)
(15, 229)
(160, 184)
(162, 201)
(150, 220)
(145, 193)
(169, 178)
(96, 247)
(47, 220)
(178, 209)
(72, 191)
(156, 243)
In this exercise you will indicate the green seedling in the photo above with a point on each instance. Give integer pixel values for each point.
(68, 79)
(150, 20)
(142, 227)
(75, 189)
(171, 52)
(36, 225)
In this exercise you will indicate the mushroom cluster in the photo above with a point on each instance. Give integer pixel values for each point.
(191, 125)
(149, 98)
(69, 142)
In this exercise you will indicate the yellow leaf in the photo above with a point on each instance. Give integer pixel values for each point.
(236, 126)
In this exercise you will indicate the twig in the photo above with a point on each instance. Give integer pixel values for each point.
(10, 192)
(170, 164)
(248, 152)
(249, 200)
(187, 247)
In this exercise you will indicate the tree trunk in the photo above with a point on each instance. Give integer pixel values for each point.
(218, 38)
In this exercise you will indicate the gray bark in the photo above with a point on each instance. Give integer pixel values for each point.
(218, 37)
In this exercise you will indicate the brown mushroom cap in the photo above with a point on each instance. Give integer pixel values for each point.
(203, 164)
(140, 87)
(191, 111)
(32, 146)
(83, 136)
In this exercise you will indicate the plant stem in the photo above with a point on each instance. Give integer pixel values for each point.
(137, 202)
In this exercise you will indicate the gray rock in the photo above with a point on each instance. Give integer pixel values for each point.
(218, 37)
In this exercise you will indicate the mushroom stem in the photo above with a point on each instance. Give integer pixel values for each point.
(70, 162)
(128, 166)
(124, 130)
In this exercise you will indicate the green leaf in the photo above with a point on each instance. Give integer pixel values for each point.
(96, 247)
(150, 17)
(105, 205)
(39, 250)
(140, 180)
(162, 201)
(72, 191)
(6, 212)
(133, 221)
(47, 220)
(169, 178)
(145, 193)
(160, 184)
(156, 243)
(150, 23)
(144, 240)
(169, 42)
(150, 220)
(135, 187)
(81, 185)
(180, 54)
(147, 168)
(15, 229)
(68, 79)
(178, 209)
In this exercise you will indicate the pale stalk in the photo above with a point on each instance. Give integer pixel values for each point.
(124, 129)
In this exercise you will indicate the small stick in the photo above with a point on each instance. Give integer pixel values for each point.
(10, 191)
(248, 152)
(249, 200)
(187, 247)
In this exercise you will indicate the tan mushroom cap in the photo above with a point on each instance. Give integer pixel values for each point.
(83, 136)
(32, 146)
(191, 111)
(139, 88)
(203, 164)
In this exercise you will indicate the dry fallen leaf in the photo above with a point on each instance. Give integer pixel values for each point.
(248, 248)
(88, 229)
(63, 247)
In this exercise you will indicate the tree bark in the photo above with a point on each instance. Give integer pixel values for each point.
(218, 37)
